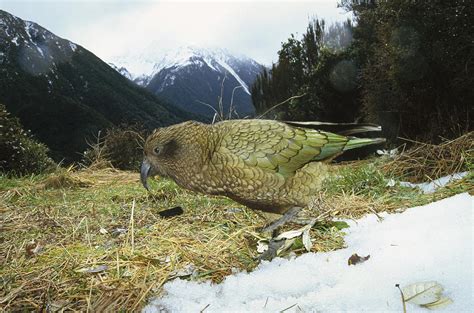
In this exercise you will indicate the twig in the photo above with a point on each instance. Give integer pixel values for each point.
(265, 305)
(205, 308)
(118, 264)
(87, 234)
(132, 226)
(209, 106)
(281, 103)
(232, 101)
(288, 308)
(221, 108)
(403, 298)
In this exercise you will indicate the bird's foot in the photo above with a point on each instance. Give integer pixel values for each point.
(287, 217)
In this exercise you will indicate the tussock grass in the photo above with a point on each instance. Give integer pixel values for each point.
(425, 162)
(92, 239)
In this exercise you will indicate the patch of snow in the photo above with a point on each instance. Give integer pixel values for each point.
(431, 187)
(40, 51)
(208, 61)
(169, 79)
(427, 243)
(389, 153)
(15, 41)
(233, 73)
(29, 28)
(73, 46)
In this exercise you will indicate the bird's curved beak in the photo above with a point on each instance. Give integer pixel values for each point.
(144, 173)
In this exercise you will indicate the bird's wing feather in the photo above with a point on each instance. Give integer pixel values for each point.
(276, 146)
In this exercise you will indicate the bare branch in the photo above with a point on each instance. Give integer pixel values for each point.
(281, 103)
(231, 107)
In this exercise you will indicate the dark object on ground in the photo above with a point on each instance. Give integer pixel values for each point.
(356, 259)
(171, 212)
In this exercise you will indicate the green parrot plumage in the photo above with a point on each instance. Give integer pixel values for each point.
(264, 164)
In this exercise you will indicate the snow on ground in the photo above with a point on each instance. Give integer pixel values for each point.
(428, 243)
(435, 184)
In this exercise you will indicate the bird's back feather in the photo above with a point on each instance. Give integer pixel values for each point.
(280, 147)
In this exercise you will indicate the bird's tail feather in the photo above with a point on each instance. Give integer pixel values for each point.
(345, 129)
(354, 143)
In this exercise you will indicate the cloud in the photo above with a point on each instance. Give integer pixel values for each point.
(252, 28)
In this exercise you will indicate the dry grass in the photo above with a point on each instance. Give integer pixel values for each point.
(425, 162)
(77, 227)
(57, 230)
(92, 240)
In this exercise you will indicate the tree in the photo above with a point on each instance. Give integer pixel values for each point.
(416, 62)
(318, 67)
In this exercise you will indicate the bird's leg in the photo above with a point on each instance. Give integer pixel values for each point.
(288, 216)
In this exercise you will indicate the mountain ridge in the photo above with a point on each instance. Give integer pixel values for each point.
(190, 76)
(65, 94)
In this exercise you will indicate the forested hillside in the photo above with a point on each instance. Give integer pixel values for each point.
(408, 67)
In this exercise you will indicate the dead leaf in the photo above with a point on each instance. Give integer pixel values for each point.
(441, 303)
(33, 248)
(103, 231)
(356, 259)
(426, 294)
(307, 240)
(187, 270)
(286, 245)
(93, 269)
(119, 231)
(278, 245)
(294, 233)
(289, 234)
(423, 292)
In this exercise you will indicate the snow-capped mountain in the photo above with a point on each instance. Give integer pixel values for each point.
(39, 51)
(121, 70)
(64, 94)
(190, 76)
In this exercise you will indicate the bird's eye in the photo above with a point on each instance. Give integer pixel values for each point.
(157, 150)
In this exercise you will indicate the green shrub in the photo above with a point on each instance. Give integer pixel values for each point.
(20, 153)
(121, 147)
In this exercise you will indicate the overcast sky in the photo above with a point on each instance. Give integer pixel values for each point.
(111, 28)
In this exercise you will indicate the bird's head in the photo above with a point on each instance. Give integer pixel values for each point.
(166, 151)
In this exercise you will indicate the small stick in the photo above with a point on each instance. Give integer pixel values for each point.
(265, 305)
(132, 226)
(118, 265)
(87, 234)
(403, 298)
(288, 308)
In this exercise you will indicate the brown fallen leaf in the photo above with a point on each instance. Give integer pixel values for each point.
(33, 248)
(356, 259)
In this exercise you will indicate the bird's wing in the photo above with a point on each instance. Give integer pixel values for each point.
(276, 146)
